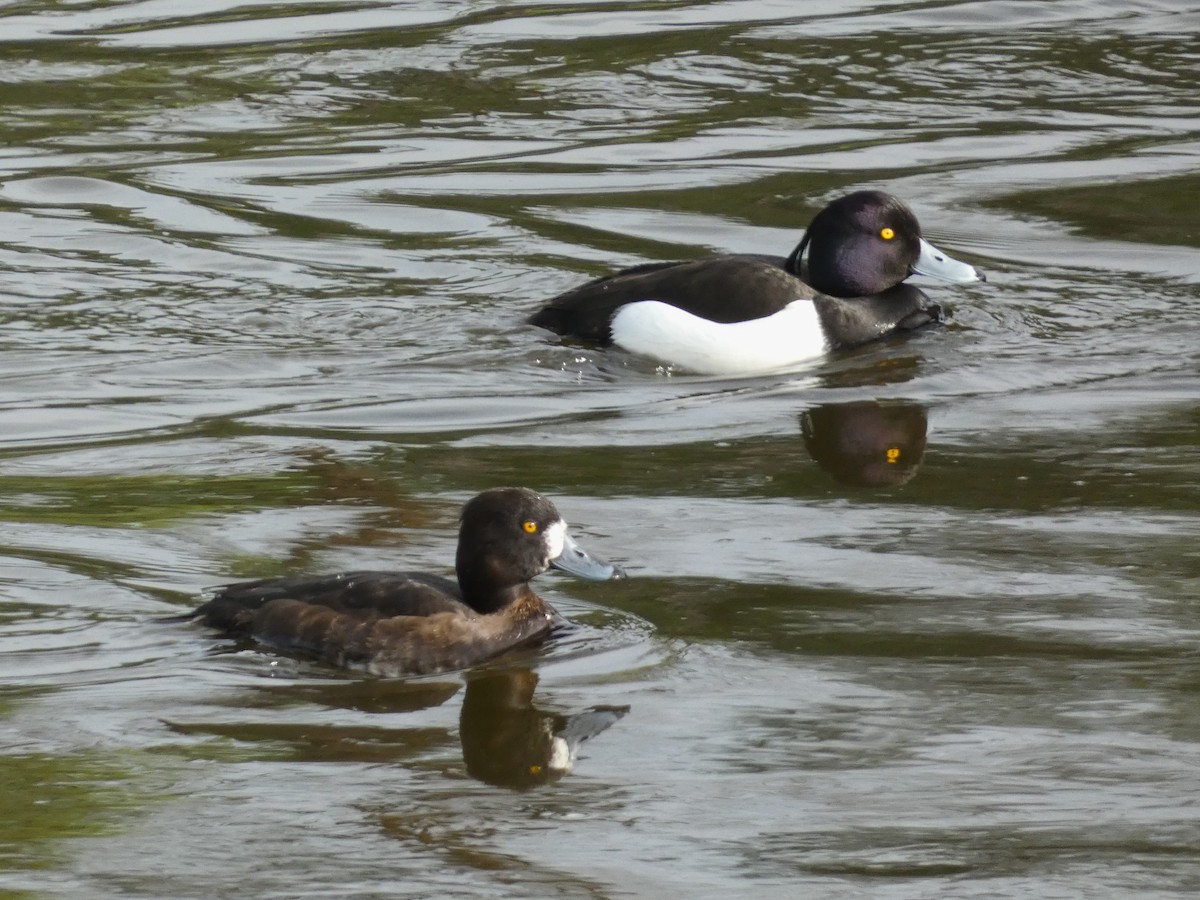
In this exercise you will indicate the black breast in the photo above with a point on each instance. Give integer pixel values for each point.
(859, 320)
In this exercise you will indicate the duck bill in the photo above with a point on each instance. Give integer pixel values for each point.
(936, 264)
(575, 559)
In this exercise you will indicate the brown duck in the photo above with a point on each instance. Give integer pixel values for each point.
(405, 623)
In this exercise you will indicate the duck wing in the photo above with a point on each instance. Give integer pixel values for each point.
(360, 595)
(722, 289)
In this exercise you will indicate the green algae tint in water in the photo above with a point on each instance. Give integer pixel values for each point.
(919, 621)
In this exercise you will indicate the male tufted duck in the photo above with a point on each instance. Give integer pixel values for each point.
(403, 623)
(739, 314)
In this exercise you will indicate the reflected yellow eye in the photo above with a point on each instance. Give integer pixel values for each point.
(530, 526)
(893, 454)
(887, 234)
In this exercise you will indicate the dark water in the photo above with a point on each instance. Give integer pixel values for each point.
(264, 270)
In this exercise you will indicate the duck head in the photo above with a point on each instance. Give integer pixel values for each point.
(867, 242)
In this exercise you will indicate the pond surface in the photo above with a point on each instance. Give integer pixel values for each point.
(264, 273)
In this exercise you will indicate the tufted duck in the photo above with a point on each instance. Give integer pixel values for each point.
(739, 314)
(402, 623)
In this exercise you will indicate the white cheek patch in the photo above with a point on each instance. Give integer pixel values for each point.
(555, 537)
(672, 335)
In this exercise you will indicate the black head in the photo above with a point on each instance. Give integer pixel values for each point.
(858, 245)
(507, 537)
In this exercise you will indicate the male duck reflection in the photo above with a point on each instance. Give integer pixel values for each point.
(867, 443)
(739, 314)
(403, 623)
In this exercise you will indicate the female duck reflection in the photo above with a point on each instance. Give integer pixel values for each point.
(866, 443)
(506, 740)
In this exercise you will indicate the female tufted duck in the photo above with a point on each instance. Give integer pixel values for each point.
(739, 314)
(402, 623)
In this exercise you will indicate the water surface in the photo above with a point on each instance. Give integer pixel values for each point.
(265, 270)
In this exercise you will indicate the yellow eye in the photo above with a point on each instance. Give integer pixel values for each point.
(530, 526)
(893, 454)
(887, 234)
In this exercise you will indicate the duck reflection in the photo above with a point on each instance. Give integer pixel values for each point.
(371, 695)
(507, 741)
(866, 443)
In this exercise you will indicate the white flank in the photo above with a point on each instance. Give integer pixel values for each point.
(674, 336)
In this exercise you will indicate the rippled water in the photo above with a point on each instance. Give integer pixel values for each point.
(264, 273)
